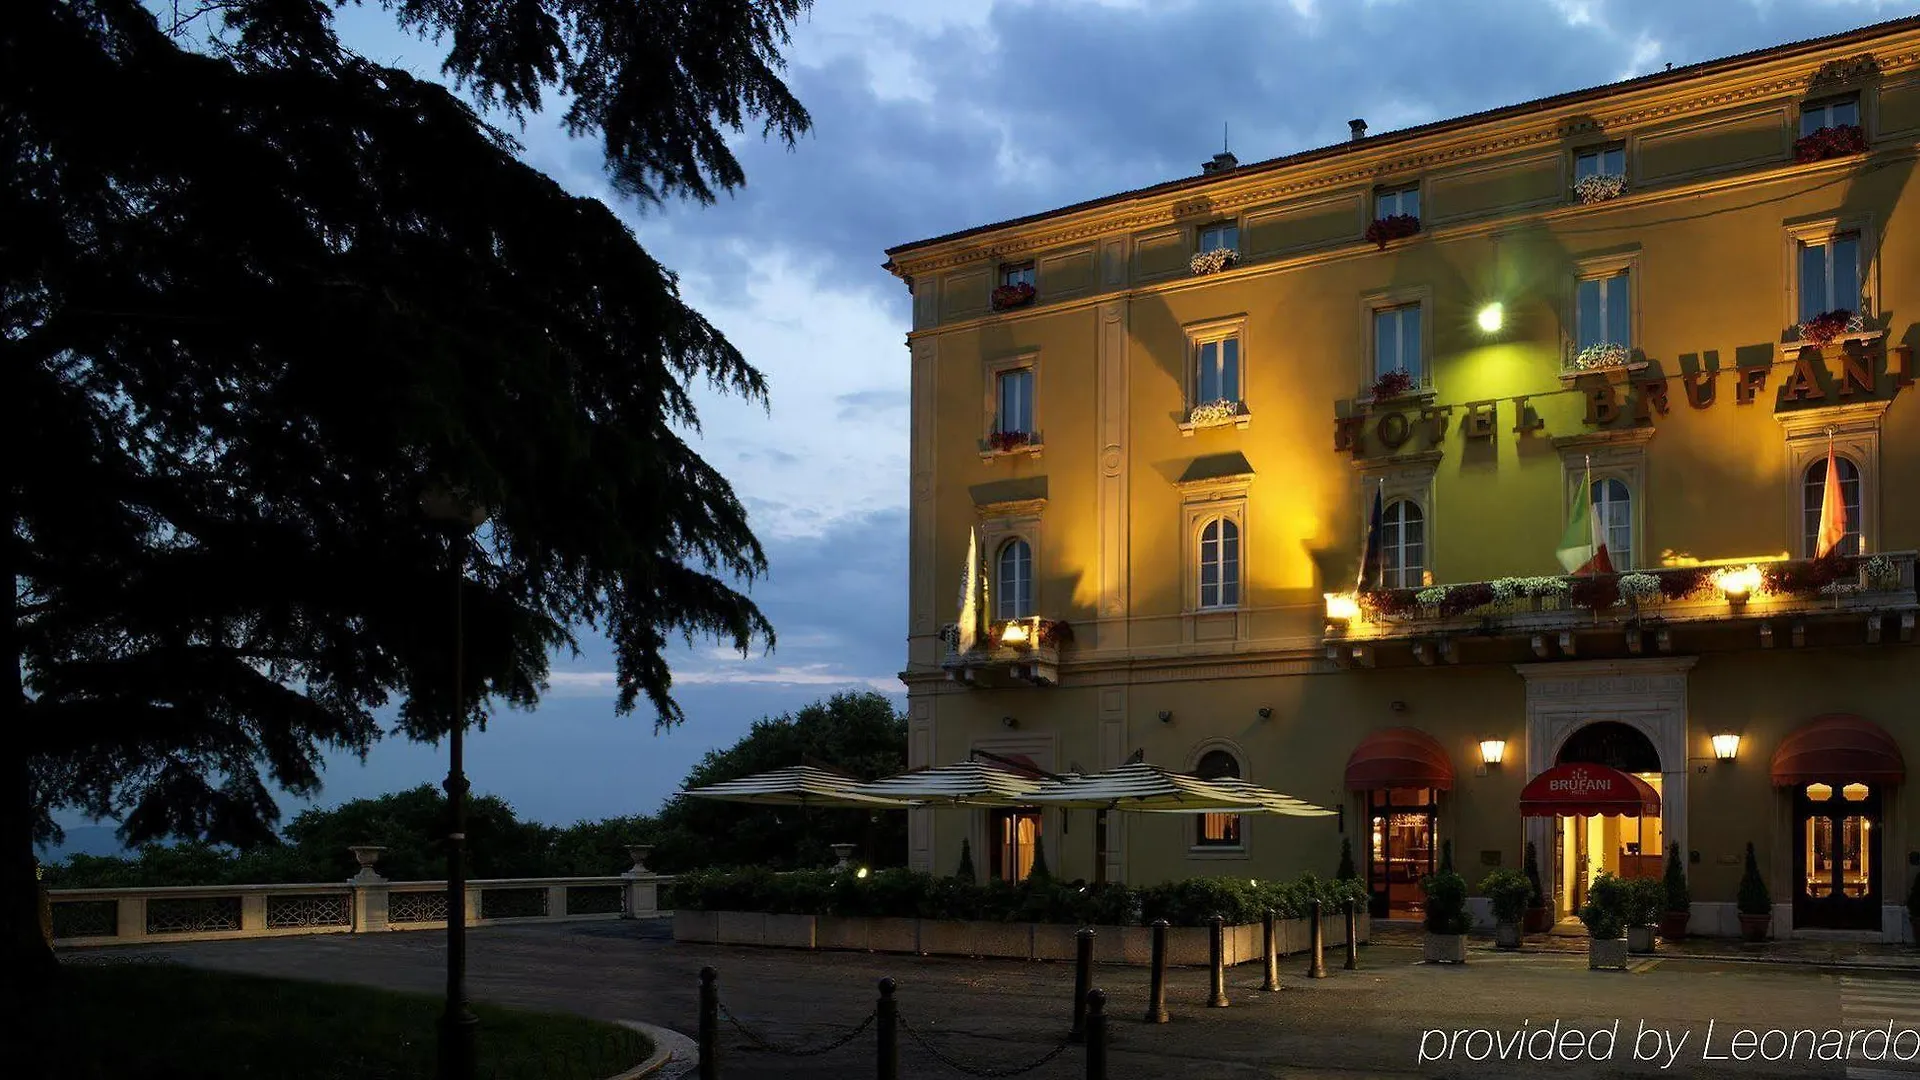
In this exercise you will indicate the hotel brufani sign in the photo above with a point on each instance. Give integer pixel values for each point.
(1861, 367)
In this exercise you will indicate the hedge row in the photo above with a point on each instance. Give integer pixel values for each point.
(907, 894)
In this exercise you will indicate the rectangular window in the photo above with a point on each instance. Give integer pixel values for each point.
(1600, 161)
(1216, 370)
(1220, 234)
(1829, 275)
(1017, 274)
(1831, 112)
(1603, 314)
(1015, 409)
(1400, 201)
(1397, 342)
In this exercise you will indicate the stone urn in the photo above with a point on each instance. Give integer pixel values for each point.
(367, 855)
(843, 855)
(639, 853)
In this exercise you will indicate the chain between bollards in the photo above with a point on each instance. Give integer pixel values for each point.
(1317, 968)
(1157, 976)
(1096, 1035)
(1353, 937)
(1270, 948)
(1082, 981)
(709, 1038)
(1216, 963)
(887, 1015)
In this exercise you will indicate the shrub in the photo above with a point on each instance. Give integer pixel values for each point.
(1646, 899)
(1536, 897)
(1038, 871)
(1678, 897)
(965, 873)
(1446, 856)
(1605, 912)
(1913, 898)
(1754, 899)
(1446, 894)
(1510, 891)
(1346, 872)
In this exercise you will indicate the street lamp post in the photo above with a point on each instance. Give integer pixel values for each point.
(459, 1028)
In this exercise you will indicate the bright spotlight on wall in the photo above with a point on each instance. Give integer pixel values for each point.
(1491, 318)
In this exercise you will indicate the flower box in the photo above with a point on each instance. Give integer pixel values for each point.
(1599, 188)
(1007, 297)
(1001, 442)
(1390, 228)
(1824, 329)
(1830, 142)
(1212, 262)
(1604, 356)
(1397, 383)
(1215, 413)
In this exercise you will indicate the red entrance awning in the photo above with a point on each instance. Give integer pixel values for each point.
(1588, 789)
(1838, 747)
(1399, 758)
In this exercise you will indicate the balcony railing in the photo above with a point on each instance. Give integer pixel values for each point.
(1784, 597)
(1023, 650)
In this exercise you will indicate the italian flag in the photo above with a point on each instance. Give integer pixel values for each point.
(1833, 510)
(1583, 548)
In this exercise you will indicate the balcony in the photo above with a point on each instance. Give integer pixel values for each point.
(1764, 604)
(1013, 652)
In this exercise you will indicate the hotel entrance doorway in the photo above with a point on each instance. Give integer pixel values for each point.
(1588, 845)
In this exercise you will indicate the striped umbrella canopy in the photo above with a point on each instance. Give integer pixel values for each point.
(795, 785)
(1271, 801)
(963, 783)
(1140, 786)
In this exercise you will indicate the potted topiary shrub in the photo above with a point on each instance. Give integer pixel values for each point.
(1605, 914)
(1646, 902)
(1539, 915)
(1679, 908)
(1509, 891)
(1346, 871)
(1447, 920)
(1755, 902)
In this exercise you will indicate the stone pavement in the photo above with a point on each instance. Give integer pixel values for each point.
(991, 1014)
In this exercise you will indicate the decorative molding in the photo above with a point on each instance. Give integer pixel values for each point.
(1017, 508)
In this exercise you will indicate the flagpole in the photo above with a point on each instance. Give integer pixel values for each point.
(1586, 493)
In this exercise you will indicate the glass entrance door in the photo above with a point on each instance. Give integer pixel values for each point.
(1836, 864)
(1402, 849)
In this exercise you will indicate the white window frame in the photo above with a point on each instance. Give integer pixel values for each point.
(1216, 228)
(1371, 305)
(1020, 273)
(1822, 231)
(1388, 201)
(1604, 267)
(1212, 332)
(1601, 503)
(1615, 454)
(1002, 522)
(1407, 478)
(1598, 153)
(1196, 849)
(1856, 435)
(1393, 538)
(990, 402)
(1824, 107)
(1001, 609)
(1203, 501)
(1004, 378)
(1813, 497)
(1223, 524)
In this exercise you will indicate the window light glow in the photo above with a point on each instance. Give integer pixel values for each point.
(1491, 318)
(1342, 607)
(1015, 633)
(1738, 584)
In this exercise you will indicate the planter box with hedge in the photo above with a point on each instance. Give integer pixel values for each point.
(1447, 921)
(1646, 903)
(1605, 914)
(1673, 921)
(1539, 918)
(1755, 903)
(902, 911)
(1510, 893)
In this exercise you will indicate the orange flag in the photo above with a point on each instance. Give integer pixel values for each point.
(1833, 511)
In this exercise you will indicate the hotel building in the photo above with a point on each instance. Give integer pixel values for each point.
(1153, 429)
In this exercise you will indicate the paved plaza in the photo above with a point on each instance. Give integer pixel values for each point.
(994, 1014)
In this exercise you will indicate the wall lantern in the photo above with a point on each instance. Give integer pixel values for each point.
(1491, 318)
(1342, 608)
(1015, 633)
(1726, 746)
(1493, 751)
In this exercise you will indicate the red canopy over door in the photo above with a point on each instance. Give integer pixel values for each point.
(1588, 789)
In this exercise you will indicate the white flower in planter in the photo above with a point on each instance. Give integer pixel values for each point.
(1545, 586)
(1212, 262)
(1639, 587)
(1211, 413)
(1605, 354)
(1600, 187)
(1882, 573)
(1432, 596)
(1840, 588)
(1507, 589)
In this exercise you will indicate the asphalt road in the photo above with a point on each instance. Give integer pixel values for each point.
(995, 1014)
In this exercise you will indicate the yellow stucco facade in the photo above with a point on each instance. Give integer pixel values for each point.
(1066, 424)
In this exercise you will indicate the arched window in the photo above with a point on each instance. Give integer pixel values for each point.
(1613, 508)
(1814, 492)
(1403, 545)
(1217, 830)
(1219, 564)
(1013, 585)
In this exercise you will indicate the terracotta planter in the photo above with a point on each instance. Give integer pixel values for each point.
(1444, 949)
(1506, 935)
(1755, 927)
(1673, 925)
(1539, 919)
(1639, 939)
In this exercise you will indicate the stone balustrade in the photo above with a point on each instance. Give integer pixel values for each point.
(367, 903)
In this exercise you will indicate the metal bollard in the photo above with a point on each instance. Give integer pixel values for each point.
(1317, 968)
(709, 1040)
(1217, 963)
(1096, 1035)
(1157, 979)
(1082, 981)
(887, 1023)
(1353, 937)
(1270, 946)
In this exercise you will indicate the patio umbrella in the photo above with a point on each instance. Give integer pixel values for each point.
(963, 783)
(1271, 801)
(1140, 786)
(795, 785)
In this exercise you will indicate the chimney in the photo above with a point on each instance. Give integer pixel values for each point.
(1359, 129)
(1223, 161)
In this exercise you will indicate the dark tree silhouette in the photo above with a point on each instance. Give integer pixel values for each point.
(256, 297)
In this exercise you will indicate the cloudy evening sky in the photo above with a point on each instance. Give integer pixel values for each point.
(935, 115)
